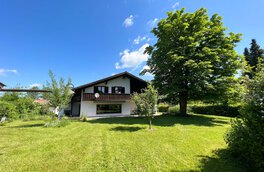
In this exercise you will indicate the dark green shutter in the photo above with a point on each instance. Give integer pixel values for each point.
(95, 89)
(123, 90)
(106, 90)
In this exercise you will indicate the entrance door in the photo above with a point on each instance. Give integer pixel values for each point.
(76, 108)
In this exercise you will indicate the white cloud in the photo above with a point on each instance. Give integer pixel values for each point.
(139, 39)
(129, 21)
(175, 5)
(153, 22)
(35, 85)
(3, 72)
(132, 59)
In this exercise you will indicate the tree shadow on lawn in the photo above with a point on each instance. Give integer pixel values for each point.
(164, 120)
(28, 125)
(222, 160)
(126, 129)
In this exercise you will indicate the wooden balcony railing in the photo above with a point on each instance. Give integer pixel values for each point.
(106, 97)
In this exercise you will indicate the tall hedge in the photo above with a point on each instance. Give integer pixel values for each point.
(8, 110)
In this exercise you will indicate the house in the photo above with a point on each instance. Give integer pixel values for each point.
(111, 95)
(2, 85)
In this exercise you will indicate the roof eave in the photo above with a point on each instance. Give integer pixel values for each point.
(107, 79)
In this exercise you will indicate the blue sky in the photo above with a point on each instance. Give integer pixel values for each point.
(88, 40)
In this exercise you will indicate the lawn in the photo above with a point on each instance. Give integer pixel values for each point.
(194, 143)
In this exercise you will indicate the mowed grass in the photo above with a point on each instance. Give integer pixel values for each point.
(194, 143)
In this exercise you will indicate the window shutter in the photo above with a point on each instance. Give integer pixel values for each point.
(106, 90)
(123, 90)
(95, 89)
(113, 90)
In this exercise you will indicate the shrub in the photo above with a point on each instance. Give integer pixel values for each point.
(246, 137)
(174, 110)
(231, 111)
(163, 107)
(54, 122)
(24, 105)
(8, 110)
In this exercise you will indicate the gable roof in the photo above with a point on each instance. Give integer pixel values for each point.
(125, 74)
(2, 85)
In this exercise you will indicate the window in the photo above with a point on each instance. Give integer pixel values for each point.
(108, 108)
(100, 89)
(118, 90)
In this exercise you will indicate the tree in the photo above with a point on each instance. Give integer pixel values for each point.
(253, 56)
(146, 102)
(192, 55)
(246, 137)
(11, 96)
(247, 54)
(61, 93)
(34, 95)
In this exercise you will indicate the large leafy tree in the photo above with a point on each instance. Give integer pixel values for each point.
(192, 55)
(60, 92)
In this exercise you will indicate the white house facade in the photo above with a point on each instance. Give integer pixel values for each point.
(108, 96)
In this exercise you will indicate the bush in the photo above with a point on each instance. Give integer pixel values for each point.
(231, 111)
(8, 110)
(163, 107)
(246, 137)
(54, 122)
(174, 110)
(24, 105)
(14, 106)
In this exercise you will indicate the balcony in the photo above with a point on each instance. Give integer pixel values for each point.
(106, 97)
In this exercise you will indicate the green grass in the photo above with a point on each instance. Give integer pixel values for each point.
(194, 143)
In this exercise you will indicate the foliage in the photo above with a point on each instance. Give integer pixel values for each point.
(174, 110)
(221, 110)
(227, 92)
(146, 102)
(8, 110)
(55, 123)
(253, 57)
(61, 94)
(193, 55)
(10, 96)
(33, 116)
(16, 106)
(163, 107)
(34, 95)
(246, 138)
(25, 105)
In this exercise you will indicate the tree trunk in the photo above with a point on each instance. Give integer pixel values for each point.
(150, 123)
(183, 103)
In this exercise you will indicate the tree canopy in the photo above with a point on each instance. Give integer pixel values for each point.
(193, 55)
(146, 102)
(253, 56)
(61, 94)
